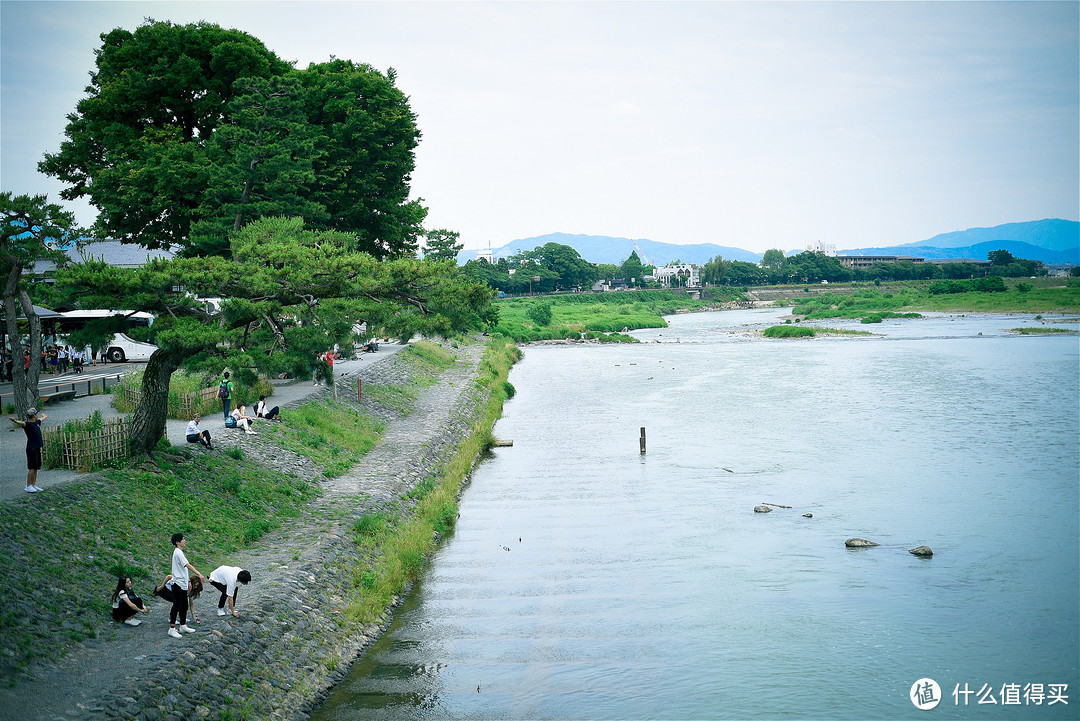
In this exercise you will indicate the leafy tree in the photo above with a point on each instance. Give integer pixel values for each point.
(442, 245)
(608, 271)
(1000, 257)
(260, 163)
(561, 267)
(136, 145)
(632, 268)
(813, 267)
(714, 270)
(280, 279)
(32, 229)
(366, 159)
(1074, 272)
(774, 260)
(742, 273)
(190, 131)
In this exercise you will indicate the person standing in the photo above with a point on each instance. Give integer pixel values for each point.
(181, 575)
(225, 389)
(225, 579)
(32, 427)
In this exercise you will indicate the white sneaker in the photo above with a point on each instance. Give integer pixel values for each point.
(187, 629)
(221, 612)
(133, 622)
(173, 632)
(36, 487)
(31, 489)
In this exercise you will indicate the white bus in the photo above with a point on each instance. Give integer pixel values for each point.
(121, 347)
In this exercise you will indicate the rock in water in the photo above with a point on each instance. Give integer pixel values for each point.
(808, 515)
(859, 543)
(762, 509)
(921, 551)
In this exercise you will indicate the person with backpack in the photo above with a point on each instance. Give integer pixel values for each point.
(225, 393)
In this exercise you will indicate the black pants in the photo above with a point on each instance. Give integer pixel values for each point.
(270, 414)
(178, 597)
(123, 612)
(224, 593)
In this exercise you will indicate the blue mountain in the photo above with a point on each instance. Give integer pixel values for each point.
(1053, 241)
(607, 249)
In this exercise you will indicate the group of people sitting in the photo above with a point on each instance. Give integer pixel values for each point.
(240, 419)
(180, 588)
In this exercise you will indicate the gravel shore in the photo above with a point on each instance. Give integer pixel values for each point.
(289, 645)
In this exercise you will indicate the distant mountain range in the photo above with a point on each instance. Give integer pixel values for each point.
(1052, 241)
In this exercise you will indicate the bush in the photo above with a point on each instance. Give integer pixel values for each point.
(539, 313)
(788, 331)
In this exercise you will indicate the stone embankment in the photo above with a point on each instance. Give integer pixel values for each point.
(292, 642)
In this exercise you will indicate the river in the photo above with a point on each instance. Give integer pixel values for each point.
(586, 580)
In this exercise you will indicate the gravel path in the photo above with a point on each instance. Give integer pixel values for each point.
(288, 646)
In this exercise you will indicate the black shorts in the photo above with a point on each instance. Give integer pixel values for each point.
(33, 459)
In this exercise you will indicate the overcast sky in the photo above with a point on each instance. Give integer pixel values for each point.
(754, 125)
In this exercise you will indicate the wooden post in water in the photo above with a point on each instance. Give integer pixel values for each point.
(642, 439)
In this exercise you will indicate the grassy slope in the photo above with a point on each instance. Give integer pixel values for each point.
(118, 522)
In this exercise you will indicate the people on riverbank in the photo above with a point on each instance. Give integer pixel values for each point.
(225, 579)
(126, 603)
(267, 415)
(243, 420)
(32, 427)
(225, 390)
(195, 434)
(181, 574)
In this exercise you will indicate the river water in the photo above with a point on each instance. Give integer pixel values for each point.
(645, 587)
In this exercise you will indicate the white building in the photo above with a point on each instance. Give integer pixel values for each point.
(818, 247)
(672, 275)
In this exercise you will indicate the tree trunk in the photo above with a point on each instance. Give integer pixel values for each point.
(24, 383)
(148, 421)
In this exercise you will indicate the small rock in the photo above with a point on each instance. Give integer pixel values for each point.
(859, 543)
(762, 509)
(808, 515)
(921, 551)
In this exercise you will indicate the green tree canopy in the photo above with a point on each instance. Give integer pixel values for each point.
(442, 245)
(190, 131)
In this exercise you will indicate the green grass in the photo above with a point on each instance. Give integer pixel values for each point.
(601, 316)
(1042, 331)
(120, 523)
(330, 433)
(1033, 295)
(788, 331)
(395, 548)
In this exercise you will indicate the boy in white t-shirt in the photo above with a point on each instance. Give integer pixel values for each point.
(179, 586)
(225, 579)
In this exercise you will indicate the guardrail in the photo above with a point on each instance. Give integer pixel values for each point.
(8, 397)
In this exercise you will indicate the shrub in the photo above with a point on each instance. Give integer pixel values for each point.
(788, 331)
(539, 313)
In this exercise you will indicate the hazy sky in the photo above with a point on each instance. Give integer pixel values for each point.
(755, 125)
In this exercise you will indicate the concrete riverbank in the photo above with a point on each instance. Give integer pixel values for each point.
(291, 642)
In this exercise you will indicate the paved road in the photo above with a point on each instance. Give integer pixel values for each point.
(13, 440)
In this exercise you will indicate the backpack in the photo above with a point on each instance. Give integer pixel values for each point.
(230, 422)
(223, 390)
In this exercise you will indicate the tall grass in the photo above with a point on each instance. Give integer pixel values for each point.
(395, 548)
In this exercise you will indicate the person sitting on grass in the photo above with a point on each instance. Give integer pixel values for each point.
(125, 603)
(226, 580)
(195, 434)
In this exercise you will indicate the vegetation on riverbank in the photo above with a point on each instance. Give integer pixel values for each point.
(599, 316)
(393, 547)
(60, 552)
(805, 331)
(1042, 331)
(1036, 295)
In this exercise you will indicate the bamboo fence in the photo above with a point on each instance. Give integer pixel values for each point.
(84, 450)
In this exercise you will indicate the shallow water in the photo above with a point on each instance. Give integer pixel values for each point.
(644, 586)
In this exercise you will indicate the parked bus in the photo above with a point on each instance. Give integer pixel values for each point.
(121, 347)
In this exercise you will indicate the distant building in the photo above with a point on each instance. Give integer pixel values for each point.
(865, 261)
(674, 275)
(818, 247)
(486, 254)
